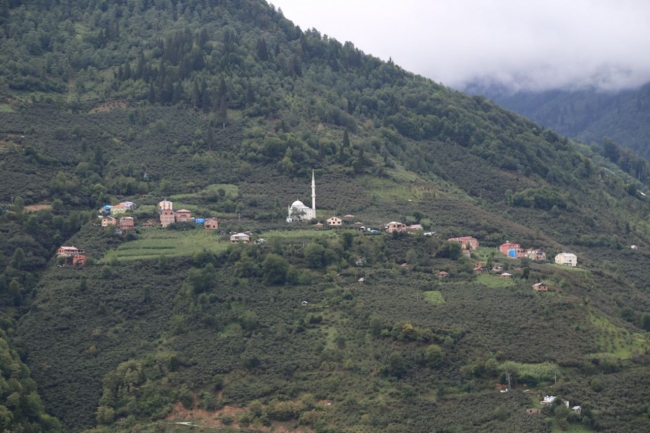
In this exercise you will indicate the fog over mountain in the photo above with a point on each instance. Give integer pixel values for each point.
(533, 46)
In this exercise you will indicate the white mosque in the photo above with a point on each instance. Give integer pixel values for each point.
(298, 211)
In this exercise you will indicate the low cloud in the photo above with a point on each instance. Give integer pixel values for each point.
(519, 45)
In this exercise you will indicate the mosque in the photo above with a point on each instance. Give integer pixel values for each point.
(298, 211)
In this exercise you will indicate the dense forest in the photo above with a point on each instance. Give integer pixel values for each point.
(225, 107)
(588, 115)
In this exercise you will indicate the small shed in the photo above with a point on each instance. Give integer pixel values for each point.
(304, 303)
(533, 411)
(505, 275)
(540, 287)
(334, 221)
(238, 238)
(634, 248)
(442, 274)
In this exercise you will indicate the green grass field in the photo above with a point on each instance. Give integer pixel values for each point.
(494, 281)
(301, 233)
(232, 190)
(155, 242)
(434, 296)
(616, 341)
(541, 371)
(6, 108)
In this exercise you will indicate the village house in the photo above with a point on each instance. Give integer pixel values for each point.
(394, 226)
(108, 221)
(240, 238)
(129, 205)
(536, 255)
(126, 223)
(634, 248)
(183, 216)
(165, 205)
(577, 409)
(466, 242)
(360, 261)
(118, 209)
(479, 268)
(540, 287)
(211, 224)
(512, 250)
(318, 225)
(68, 251)
(496, 269)
(505, 275)
(167, 217)
(442, 274)
(150, 223)
(79, 260)
(568, 259)
(533, 411)
(414, 227)
(334, 221)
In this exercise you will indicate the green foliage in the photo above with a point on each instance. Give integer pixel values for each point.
(226, 107)
(275, 268)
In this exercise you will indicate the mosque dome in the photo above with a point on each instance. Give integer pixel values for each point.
(298, 204)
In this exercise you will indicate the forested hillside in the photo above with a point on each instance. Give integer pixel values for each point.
(225, 107)
(587, 115)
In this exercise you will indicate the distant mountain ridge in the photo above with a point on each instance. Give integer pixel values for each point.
(587, 115)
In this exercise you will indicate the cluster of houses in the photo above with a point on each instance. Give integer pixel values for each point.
(166, 216)
(169, 216)
(514, 251)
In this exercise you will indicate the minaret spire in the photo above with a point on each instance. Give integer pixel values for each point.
(313, 193)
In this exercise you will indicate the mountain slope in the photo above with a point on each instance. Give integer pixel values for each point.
(587, 115)
(225, 108)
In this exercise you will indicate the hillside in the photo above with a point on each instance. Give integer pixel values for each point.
(225, 108)
(587, 115)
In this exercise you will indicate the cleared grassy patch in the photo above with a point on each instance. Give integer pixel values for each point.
(494, 281)
(155, 242)
(568, 268)
(302, 233)
(541, 371)
(6, 108)
(615, 341)
(434, 296)
(229, 189)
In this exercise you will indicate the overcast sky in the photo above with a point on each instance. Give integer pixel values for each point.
(522, 44)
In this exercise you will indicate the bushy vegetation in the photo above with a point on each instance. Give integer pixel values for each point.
(225, 107)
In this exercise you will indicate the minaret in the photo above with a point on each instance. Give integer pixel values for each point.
(313, 193)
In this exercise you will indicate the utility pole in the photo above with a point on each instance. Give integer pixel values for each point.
(556, 377)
